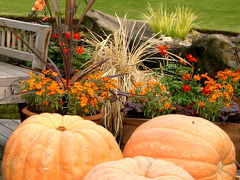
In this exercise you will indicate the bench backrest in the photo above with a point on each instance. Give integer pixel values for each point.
(36, 35)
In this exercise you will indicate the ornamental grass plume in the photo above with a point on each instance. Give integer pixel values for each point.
(126, 52)
(177, 24)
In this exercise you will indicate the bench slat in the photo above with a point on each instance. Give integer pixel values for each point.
(22, 25)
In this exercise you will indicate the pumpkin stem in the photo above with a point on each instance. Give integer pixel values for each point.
(61, 128)
(219, 167)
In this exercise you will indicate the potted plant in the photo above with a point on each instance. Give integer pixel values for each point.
(85, 97)
(65, 89)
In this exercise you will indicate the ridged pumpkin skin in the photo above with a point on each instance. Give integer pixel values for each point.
(195, 144)
(138, 168)
(54, 147)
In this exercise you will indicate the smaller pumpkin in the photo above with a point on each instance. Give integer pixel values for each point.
(138, 168)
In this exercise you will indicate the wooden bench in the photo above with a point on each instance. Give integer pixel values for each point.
(37, 36)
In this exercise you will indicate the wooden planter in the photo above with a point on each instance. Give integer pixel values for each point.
(232, 129)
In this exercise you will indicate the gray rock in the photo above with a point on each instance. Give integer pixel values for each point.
(237, 39)
(215, 52)
(108, 23)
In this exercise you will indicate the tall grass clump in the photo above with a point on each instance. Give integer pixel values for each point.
(125, 50)
(177, 24)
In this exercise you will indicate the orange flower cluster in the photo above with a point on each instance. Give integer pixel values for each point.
(153, 95)
(39, 5)
(218, 89)
(229, 75)
(82, 97)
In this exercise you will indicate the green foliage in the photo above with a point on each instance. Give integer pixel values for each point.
(176, 24)
(155, 100)
(79, 60)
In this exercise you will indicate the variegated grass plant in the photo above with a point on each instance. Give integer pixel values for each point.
(177, 24)
(125, 50)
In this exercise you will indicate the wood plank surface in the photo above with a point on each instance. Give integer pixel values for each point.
(7, 126)
(10, 73)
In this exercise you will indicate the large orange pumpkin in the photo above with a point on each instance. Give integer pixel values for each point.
(52, 146)
(193, 143)
(138, 168)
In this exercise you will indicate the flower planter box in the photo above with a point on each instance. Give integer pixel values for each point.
(232, 129)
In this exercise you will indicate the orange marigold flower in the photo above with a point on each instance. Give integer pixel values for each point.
(62, 44)
(205, 91)
(191, 58)
(39, 5)
(76, 36)
(143, 91)
(132, 91)
(138, 84)
(39, 93)
(143, 99)
(38, 86)
(68, 35)
(54, 35)
(186, 76)
(228, 105)
(46, 18)
(79, 49)
(65, 51)
(162, 49)
(167, 105)
(45, 102)
(54, 74)
(201, 104)
(197, 77)
(163, 88)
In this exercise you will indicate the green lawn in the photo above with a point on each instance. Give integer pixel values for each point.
(222, 15)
